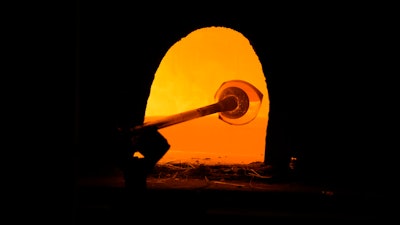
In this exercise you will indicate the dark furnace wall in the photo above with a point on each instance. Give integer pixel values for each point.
(324, 69)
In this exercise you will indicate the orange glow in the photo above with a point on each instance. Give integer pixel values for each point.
(188, 77)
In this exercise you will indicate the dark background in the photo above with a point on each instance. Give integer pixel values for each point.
(330, 70)
(327, 69)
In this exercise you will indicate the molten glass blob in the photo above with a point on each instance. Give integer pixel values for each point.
(248, 100)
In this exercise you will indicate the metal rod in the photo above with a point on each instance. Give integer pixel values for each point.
(227, 104)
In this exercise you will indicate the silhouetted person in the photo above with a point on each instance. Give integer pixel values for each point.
(136, 167)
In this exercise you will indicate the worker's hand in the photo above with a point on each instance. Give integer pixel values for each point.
(151, 144)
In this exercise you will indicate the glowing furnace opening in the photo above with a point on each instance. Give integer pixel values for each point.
(188, 77)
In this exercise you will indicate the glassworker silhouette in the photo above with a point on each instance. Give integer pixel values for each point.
(150, 144)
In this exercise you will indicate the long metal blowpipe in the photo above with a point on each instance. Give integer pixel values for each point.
(237, 103)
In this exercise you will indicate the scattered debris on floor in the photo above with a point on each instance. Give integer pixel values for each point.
(247, 177)
(242, 172)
